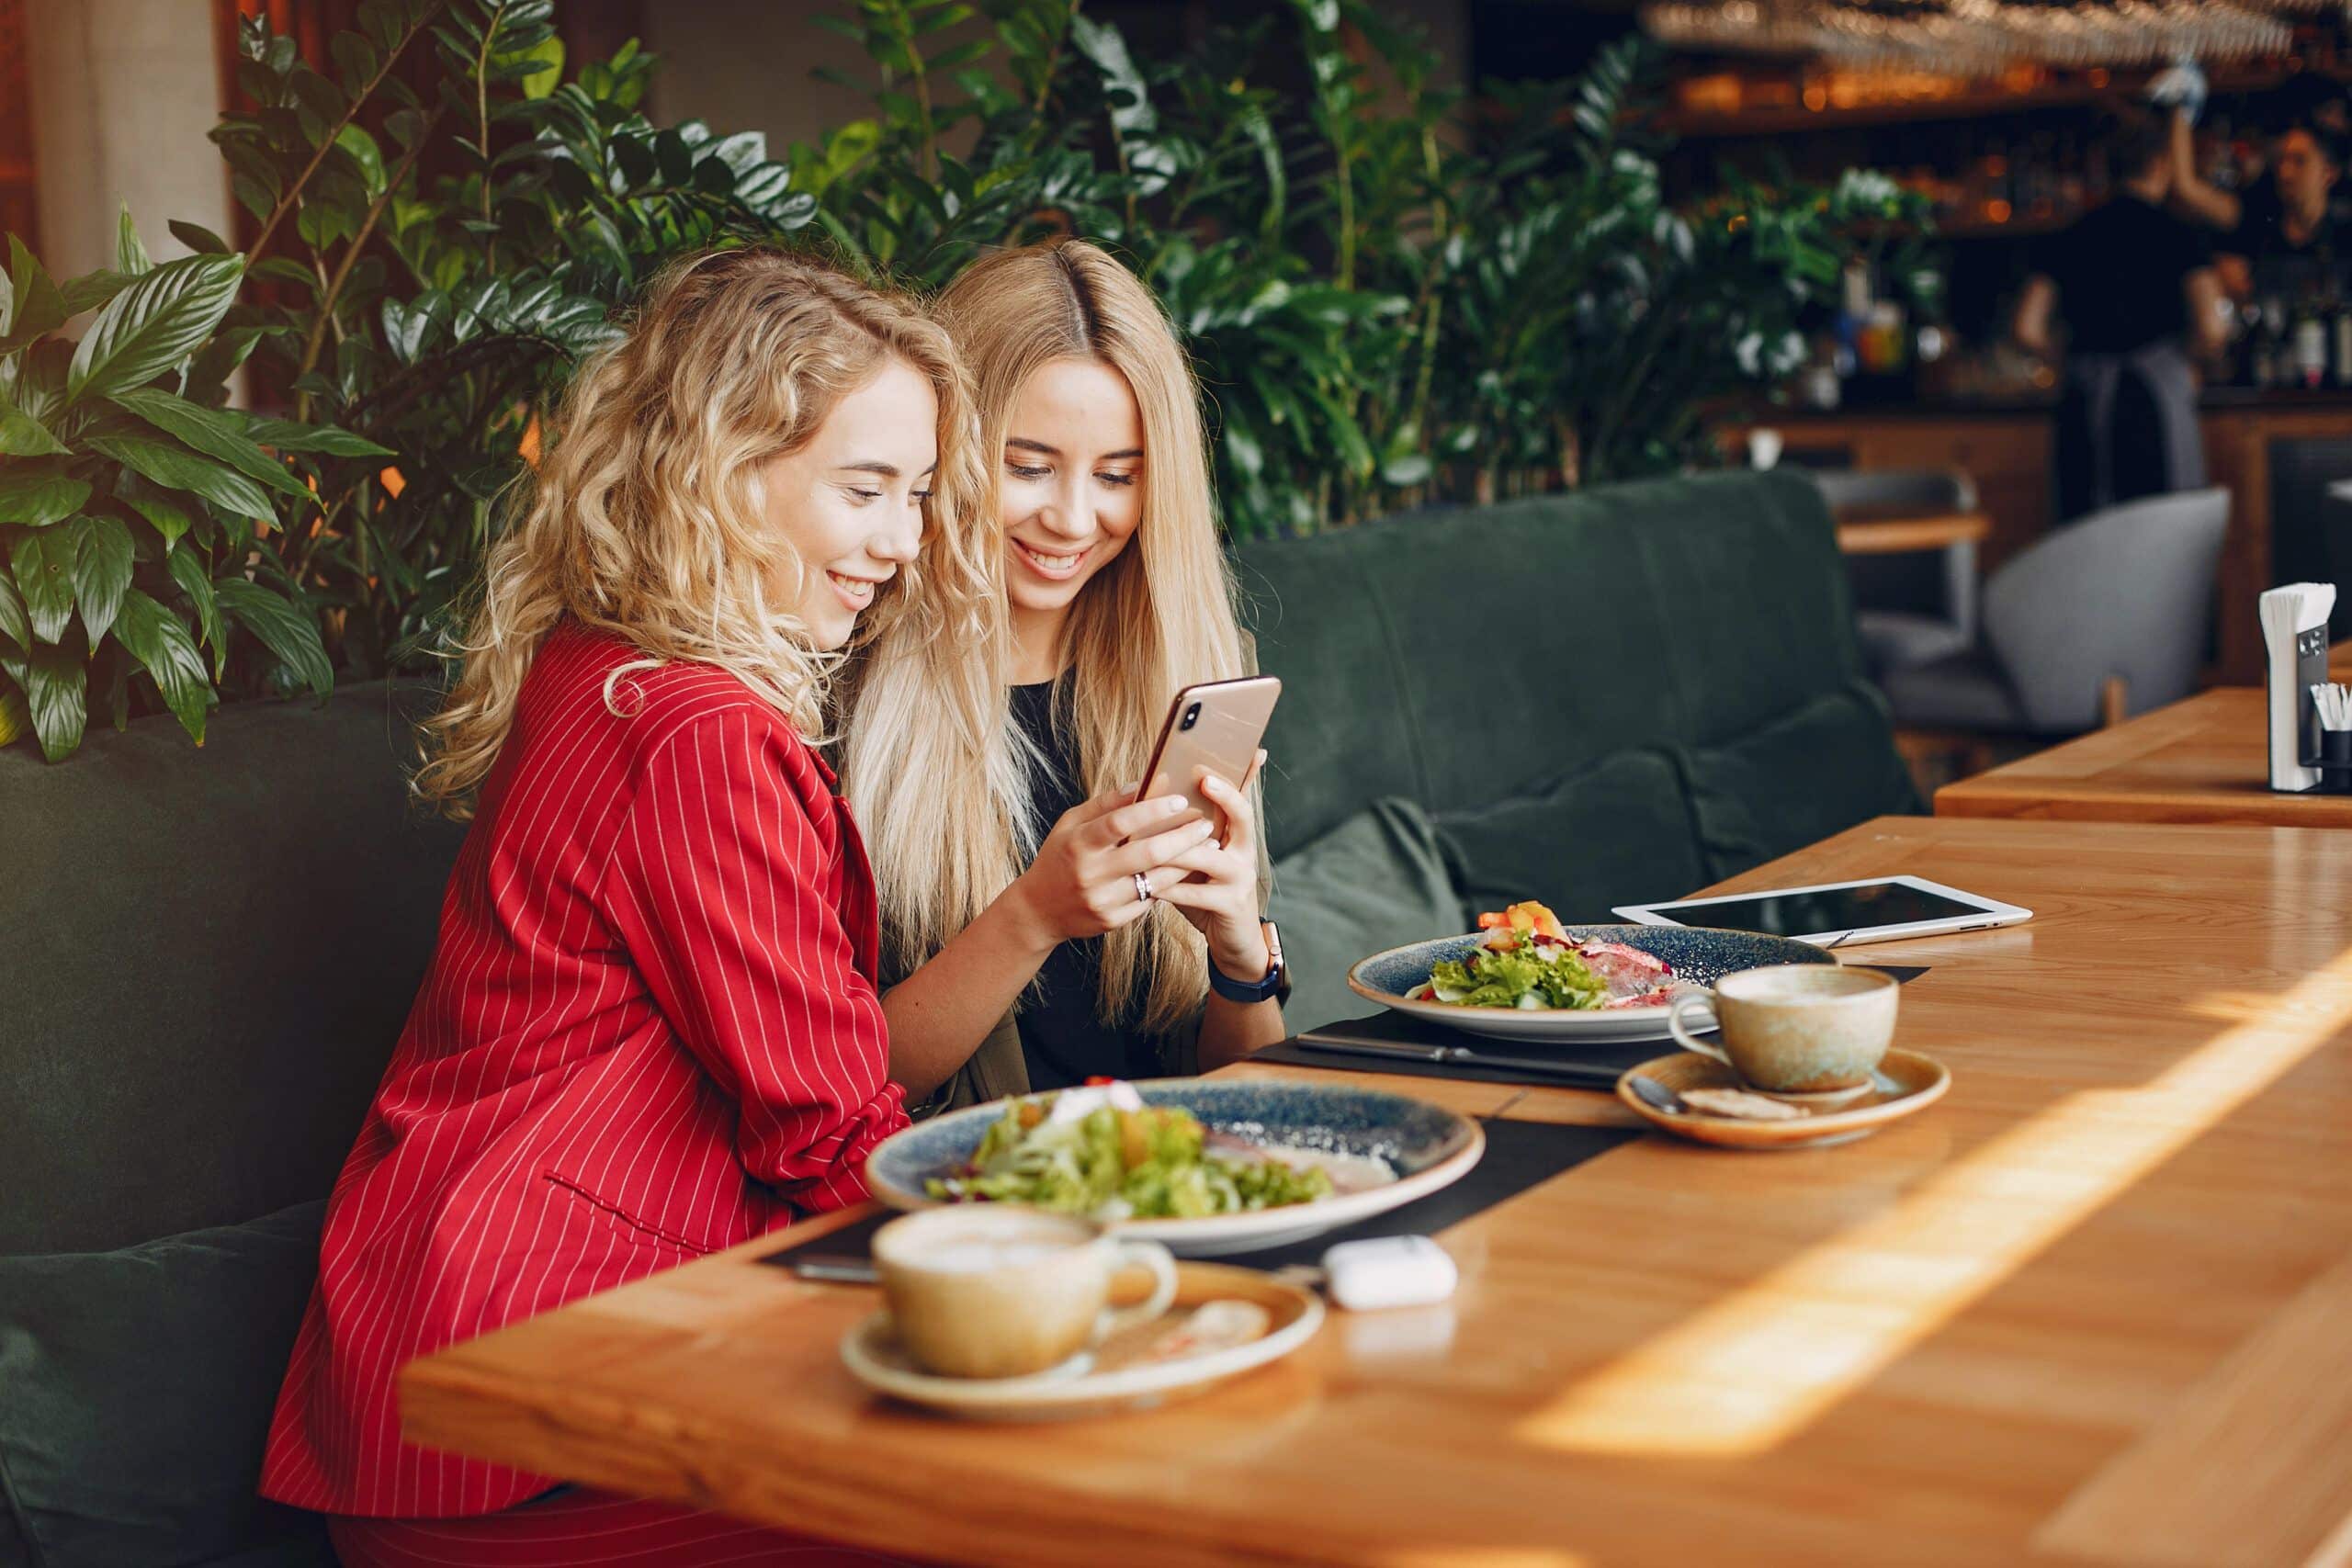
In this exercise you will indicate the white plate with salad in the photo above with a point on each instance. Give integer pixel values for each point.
(1524, 975)
(1206, 1167)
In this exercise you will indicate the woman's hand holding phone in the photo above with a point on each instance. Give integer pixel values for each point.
(1219, 896)
(1082, 883)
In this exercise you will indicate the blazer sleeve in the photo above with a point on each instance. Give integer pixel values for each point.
(726, 871)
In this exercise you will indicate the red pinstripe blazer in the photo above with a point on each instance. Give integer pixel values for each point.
(648, 1030)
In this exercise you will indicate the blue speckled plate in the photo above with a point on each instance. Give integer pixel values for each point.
(1700, 956)
(1425, 1146)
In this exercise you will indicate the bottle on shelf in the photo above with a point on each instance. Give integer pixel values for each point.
(2310, 346)
(2276, 365)
(2339, 328)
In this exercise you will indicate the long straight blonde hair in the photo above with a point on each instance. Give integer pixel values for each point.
(949, 826)
(646, 515)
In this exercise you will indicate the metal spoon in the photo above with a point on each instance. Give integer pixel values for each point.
(1657, 1096)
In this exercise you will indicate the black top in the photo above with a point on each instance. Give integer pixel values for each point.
(2281, 266)
(1061, 1040)
(2119, 272)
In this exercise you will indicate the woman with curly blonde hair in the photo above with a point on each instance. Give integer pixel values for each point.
(649, 1030)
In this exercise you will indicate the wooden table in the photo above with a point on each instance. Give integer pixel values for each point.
(1866, 535)
(2204, 760)
(2091, 1309)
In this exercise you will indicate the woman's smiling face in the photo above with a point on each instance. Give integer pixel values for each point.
(851, 499)
(1070, 489)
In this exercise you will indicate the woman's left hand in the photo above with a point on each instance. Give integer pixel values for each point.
(1221, 895)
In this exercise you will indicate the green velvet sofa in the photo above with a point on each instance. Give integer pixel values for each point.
(1615, 696)
(209, 951)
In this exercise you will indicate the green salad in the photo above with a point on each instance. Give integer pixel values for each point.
(1113, 1163)
(1529, 976)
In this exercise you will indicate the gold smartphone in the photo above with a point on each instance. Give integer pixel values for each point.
(1217, 725)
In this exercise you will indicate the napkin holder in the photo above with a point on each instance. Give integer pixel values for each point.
(2294, 635)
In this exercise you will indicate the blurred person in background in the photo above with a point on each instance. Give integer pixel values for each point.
(2135, 287)
(2281, 225)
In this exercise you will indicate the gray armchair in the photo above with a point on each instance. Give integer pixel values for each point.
(1918, 607)
(2122, 595)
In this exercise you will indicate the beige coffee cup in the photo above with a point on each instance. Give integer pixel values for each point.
(1795, 1029)
(999, 1291)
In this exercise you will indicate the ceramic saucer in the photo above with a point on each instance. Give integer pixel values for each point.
(1909, 1081)
(1117, 1375)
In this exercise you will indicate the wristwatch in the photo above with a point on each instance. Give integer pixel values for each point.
(1275, 984)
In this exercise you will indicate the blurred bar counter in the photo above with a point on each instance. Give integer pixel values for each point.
(2276, 451)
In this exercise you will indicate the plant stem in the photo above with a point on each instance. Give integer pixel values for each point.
(481, 109)
(922, 103)
(294, 192)
(1431, 304)
(1346, 192)
(317, 340)
(1054, 58)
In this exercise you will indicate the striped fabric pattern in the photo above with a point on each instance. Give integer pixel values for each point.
(649, 1031)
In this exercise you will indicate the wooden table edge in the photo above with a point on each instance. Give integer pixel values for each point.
(449, 1396)
(1866, 535)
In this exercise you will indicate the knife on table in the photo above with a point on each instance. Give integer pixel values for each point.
(1575, 1074)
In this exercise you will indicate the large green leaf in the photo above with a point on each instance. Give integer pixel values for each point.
(285, 629)
(38, 497)
(38, 307)
(102, 556)
(159, 640)
(15, 720)
(212, 435)
(52, 680)
(200, 239)
(169, 518)
(287, 436)
(130, 253)
(22, 436)
(176, 467)
(364, 153)
(189, 570)
(13, 623)
(43, 563)
(152, 325)
(93, 289)
(549, 56)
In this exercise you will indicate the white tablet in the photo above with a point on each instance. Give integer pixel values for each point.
(1840, 914)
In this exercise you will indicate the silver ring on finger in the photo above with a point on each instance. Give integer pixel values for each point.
(1143, 888)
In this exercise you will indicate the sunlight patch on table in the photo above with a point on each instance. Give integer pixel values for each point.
(1744, 1373)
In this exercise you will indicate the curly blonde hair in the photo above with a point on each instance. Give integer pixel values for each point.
(644, 518)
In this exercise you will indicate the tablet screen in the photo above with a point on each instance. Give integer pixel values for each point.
(1833, 909)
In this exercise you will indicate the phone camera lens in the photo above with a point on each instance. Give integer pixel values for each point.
(1192, 717)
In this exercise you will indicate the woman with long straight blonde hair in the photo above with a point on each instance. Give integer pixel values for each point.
(1020, 876)
(649, 1029)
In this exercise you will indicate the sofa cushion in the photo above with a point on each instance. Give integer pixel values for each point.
(1468, 656)
(1800, 777)
(209, 954)
(1758, 615)
(135, 1395)
(1618, 832)
(1339, 739)
(1512, 625)
(1376, 881)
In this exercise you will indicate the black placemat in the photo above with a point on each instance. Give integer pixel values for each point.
(1519, 1156)
(1393, 1028)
